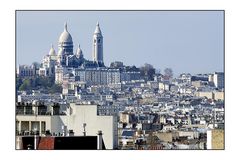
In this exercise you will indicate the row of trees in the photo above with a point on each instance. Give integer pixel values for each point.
(34, 83)
(47, 83)
(148, 71)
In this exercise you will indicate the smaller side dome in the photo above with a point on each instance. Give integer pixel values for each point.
(79, 53)
(52, 51)
(60, 52)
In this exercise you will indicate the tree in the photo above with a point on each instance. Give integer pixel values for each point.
(55, 88)
(147, 71)
(36, 65)
(132, 69)
(168, 73)
(19, 82)
(44, 82)
(37, 82)
(26, 85)
(116, 64)
(158, 71)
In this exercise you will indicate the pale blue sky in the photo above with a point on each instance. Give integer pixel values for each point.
(186, 41)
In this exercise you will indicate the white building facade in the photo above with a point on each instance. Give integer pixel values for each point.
(76, 117)
(26, 71)
(218, 80)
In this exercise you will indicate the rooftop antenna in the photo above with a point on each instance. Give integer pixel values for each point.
(65, 26)
(214, 118)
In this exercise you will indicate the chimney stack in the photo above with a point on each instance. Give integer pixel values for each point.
(99, 140)
(84, 129)
(64, 130)
(36, 139)
(19, 144)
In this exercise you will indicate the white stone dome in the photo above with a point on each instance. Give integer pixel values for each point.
(60, 52)
(52, 51)
(65, 36)
(79, 52)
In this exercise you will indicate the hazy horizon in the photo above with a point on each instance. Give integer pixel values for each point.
(186, 41)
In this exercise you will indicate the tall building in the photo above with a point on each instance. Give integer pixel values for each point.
(218, 80)
(210, 78)
(59, 73)
(98, 45)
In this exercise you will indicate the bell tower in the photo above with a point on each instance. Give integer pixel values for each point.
(98, 45)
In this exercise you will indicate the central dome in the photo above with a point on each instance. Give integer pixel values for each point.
(65, 36)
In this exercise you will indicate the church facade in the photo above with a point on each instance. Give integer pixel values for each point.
(56, 63)
(67, 66)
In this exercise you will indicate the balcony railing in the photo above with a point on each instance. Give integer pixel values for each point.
(28, 133)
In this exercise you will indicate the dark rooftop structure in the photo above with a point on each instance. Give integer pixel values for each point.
(62, 143)
(128, 133)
